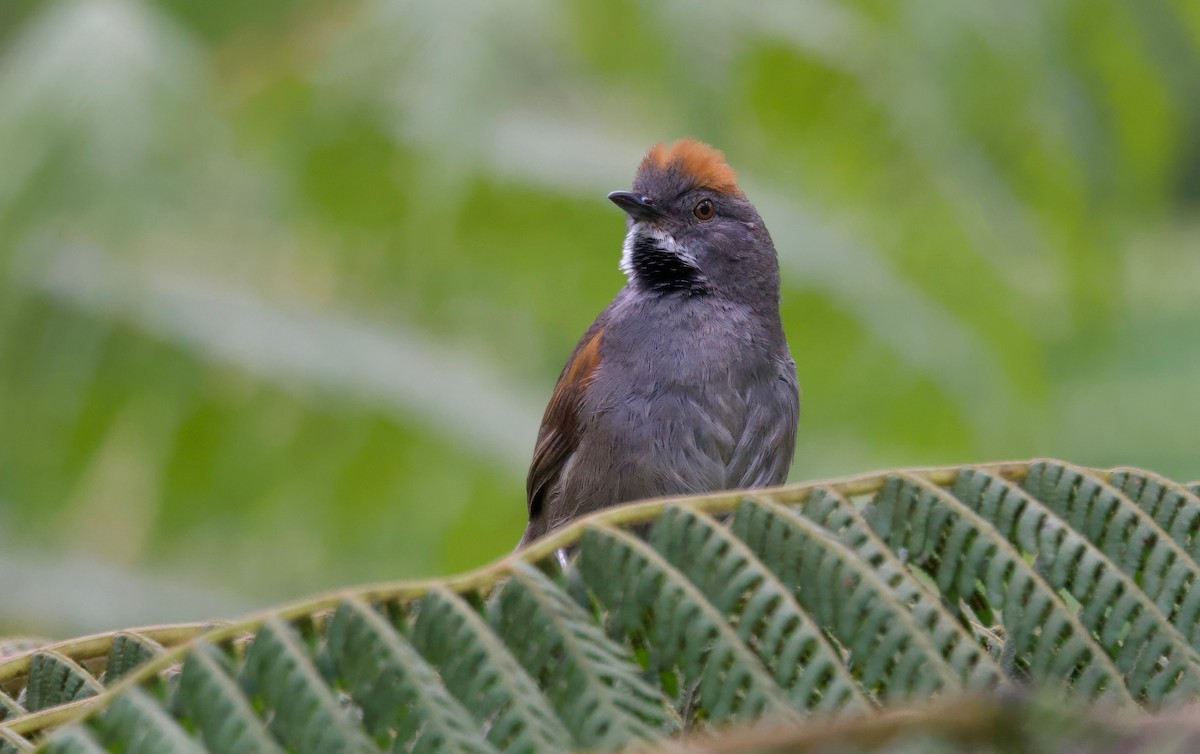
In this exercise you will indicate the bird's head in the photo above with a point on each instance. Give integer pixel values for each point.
(691, 229)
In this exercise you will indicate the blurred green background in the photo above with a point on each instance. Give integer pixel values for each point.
(284, 286)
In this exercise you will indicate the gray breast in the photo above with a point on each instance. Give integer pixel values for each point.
(692, 400)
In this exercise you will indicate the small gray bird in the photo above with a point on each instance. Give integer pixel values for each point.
(684, 383)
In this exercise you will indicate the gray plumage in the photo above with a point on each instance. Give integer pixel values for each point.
(684, 383)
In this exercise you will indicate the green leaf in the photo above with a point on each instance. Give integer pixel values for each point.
(484, 676)
(967, 556)
(55, 679)
(211, 699)
(138, 724)
(595, 686)
(399, 693)
(128, 651)
(684, 630)
(74, 740)
(763, 610)
(890, 650)
(280, 674)
(652, 619)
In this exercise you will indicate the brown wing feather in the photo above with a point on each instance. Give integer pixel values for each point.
(559, 434)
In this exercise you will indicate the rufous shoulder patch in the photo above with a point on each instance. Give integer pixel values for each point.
(585, 360)
(694, 158)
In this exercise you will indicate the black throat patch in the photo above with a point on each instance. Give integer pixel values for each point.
(661, 270)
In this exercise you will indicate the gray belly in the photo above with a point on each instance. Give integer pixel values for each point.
(680, 439)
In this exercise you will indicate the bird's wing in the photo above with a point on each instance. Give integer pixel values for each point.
(562, 427)
(763, 453)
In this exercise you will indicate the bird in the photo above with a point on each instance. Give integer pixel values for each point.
(684, 383)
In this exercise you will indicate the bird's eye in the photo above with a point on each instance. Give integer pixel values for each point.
(704, 210)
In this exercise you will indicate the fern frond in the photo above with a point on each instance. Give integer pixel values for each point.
(596, 687)
(400, 695)
(890, 650)
(484, 676)
(678, 613)
(281, 675)
(1153, 655)
(645, 593)
(762, 609)
(210, 697)
(967, 558)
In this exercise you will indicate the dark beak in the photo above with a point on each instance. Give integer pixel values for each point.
(638, 206)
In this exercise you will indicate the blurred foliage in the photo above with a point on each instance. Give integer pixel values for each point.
(284, 285)
(1025, 723)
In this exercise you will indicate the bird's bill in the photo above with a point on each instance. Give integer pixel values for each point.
(638, 206)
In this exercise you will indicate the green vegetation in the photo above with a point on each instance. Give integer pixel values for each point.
(678, 617)
(284, 286)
